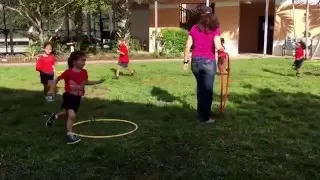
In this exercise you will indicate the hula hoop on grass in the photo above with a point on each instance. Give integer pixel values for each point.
(106, 120)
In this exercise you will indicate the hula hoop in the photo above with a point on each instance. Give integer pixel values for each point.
(105, 120)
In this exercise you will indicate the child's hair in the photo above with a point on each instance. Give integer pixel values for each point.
(74, 56)
(302, 44)
(222, 40)
(47, 44)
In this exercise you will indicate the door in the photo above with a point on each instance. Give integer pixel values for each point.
(270, 34)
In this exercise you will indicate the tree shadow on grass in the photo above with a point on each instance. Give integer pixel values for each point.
(277, 73)
(264, 130)
(114, 70)
(311, 74)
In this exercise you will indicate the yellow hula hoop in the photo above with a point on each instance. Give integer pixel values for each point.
(105, 120)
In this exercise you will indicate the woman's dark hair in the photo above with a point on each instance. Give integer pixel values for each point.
(303, 45)
(208, 22)
(74, 56)
(47, 44)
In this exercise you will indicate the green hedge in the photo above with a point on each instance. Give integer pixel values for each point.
(173, 41)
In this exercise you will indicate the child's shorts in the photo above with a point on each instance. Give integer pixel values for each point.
(70, 101)
(297, 64)
(123, 65)
(46, 77)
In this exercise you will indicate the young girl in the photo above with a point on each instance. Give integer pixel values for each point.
(299, 57)
(45, 66)
(123, 62)
(221, 57)
(75, 78)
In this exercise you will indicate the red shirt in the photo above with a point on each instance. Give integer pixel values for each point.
(74, 81)
(222, 54)
(46, 63)
(124, 58)
(299, 54)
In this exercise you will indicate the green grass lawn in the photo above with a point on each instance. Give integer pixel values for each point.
(269, 130)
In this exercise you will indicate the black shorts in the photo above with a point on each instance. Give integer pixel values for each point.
(297, 64)
(45, 77)
(70, 101)
(123, 65)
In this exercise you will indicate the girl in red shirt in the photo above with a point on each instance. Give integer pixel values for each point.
(299, 57)
(221, 57)
(123, 62)
(75, 79)
(45, 66)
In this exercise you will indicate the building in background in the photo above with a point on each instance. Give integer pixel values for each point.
(242, 22)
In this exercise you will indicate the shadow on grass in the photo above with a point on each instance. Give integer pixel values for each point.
(311, 74)
(277, 73)
(259, 133)
(164, 95)
(114, 70)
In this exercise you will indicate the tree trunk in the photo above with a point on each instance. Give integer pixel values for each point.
(123, 13)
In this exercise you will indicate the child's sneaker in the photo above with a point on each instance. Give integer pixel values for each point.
(50, 120)
(132, 73)
(116, 77)
(72, 139)
(298, 74)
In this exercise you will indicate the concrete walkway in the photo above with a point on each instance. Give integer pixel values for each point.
(237, 57)
(97, 62)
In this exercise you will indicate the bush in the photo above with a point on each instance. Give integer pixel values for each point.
(33, 50)
(173, 41)
(135, 45)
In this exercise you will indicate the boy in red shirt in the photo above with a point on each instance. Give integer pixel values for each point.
(123, 62)
(299, 57)
(45, 66)
(75, 78)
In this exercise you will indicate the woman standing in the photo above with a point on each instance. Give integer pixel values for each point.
(205, 39)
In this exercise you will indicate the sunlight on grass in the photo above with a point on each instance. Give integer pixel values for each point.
(270, 128)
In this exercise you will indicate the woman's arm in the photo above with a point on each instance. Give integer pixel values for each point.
(187, 48)
(217, 43)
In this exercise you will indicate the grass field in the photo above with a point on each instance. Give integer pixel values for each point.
(270, 128)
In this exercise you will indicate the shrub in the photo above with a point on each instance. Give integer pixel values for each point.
(173, 41)
(32, 51)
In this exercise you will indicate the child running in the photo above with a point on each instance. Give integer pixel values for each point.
(75, 79)
(299, 57)
(123, 63)
(45, 66)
